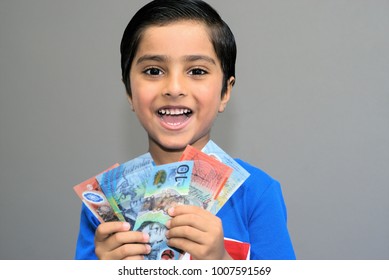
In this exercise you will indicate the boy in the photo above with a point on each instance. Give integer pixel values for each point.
(178, 67)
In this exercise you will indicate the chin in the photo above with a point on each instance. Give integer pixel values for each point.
(174, 146)
(180, 143)
(171, 145)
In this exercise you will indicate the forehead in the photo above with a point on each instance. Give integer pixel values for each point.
(179, 38)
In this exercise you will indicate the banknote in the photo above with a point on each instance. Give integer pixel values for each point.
(153, 223)
(168, 185)
(92, 196)
(238, 176)
(125, 185)
(208, 177)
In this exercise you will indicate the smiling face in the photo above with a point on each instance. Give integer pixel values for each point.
(176, 85)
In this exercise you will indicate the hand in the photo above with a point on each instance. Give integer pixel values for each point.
(196, 231)
(114, 241)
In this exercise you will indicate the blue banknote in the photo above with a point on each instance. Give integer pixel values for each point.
(125, 186)
(168, 185)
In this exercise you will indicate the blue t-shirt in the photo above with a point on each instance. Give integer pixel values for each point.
(255, 215)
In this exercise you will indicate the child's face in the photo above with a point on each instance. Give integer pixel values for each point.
(176, 82)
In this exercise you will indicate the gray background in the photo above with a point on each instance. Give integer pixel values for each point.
(310, 107)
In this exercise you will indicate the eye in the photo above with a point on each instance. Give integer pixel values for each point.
(153, 71)
(197, 72)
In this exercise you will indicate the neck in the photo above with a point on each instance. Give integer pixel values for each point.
(165, 156)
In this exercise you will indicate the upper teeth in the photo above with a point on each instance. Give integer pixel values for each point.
(174, 111)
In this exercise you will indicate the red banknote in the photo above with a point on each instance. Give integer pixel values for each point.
(208, 176)
(92, 196)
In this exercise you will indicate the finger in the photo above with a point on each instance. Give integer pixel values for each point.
(187, 209)
(118, 239)
(104, 230)
(191, 220)
(215, 250)
(186, 232)
(129, 251)
(185, 245)
(193, 216)
(134, 258)
(212, 249)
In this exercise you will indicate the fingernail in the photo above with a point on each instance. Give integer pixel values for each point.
(168, 223)
(167, 235)
(146, 237)
(148, 248)
(126, 226)
(171, 211)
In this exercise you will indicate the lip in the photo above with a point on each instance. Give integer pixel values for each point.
(174, 117)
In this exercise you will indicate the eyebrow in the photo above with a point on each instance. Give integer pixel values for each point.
(147, 57)
(164, 58)
(191, 58)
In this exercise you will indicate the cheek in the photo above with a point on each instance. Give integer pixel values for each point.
(142, 93)
(210, 94)
(135, 85)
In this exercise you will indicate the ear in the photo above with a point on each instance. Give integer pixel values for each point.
(227, 94)
(129, 96)
(130, 101)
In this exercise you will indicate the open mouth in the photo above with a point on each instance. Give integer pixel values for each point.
(174, 116)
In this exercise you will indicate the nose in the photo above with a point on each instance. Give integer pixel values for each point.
(175, 85)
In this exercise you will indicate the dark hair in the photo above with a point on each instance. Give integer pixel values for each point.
(163, 12)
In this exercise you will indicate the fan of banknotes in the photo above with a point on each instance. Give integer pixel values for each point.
(140, 192)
